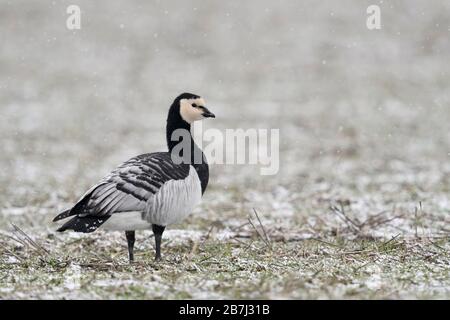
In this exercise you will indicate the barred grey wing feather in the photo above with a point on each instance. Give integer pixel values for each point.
(132, 185)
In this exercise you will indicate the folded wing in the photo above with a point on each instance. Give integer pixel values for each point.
(130, 187)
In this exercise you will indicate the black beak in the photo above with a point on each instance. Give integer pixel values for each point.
(208, 114)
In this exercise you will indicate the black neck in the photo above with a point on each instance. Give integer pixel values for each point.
(174, 122)
(197, 158)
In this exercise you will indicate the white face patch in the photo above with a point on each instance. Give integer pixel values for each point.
(188, 112)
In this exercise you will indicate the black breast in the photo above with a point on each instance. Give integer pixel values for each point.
(203, 174)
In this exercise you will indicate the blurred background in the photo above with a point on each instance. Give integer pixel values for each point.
(363, 114)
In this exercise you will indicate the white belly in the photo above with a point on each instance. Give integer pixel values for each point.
(126, 221)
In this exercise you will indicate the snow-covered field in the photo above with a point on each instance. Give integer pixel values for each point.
(359, 209)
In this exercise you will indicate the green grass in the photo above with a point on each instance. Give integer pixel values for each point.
(333, 267)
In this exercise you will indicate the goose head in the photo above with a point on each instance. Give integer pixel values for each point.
(193, 108)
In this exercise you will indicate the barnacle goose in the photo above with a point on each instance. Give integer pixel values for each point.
(152, 190)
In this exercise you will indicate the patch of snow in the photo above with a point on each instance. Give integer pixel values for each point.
(72, 277)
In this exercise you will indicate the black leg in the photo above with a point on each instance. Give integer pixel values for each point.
(158, 231)
(130, 239)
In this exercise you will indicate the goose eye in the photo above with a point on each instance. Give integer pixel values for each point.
(195, 105)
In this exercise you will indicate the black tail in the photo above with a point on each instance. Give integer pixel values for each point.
(63, 215)
(78, 208)
(85, 224)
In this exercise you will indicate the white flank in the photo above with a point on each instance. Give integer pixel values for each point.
(175, 200)
(172, 203)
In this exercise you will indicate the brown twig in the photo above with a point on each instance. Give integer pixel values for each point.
(262, 227)
(207, 235)
(193, 250)
(13, 254)
(340, 212)
(264, 240)
(26, 238)
(390, 240)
